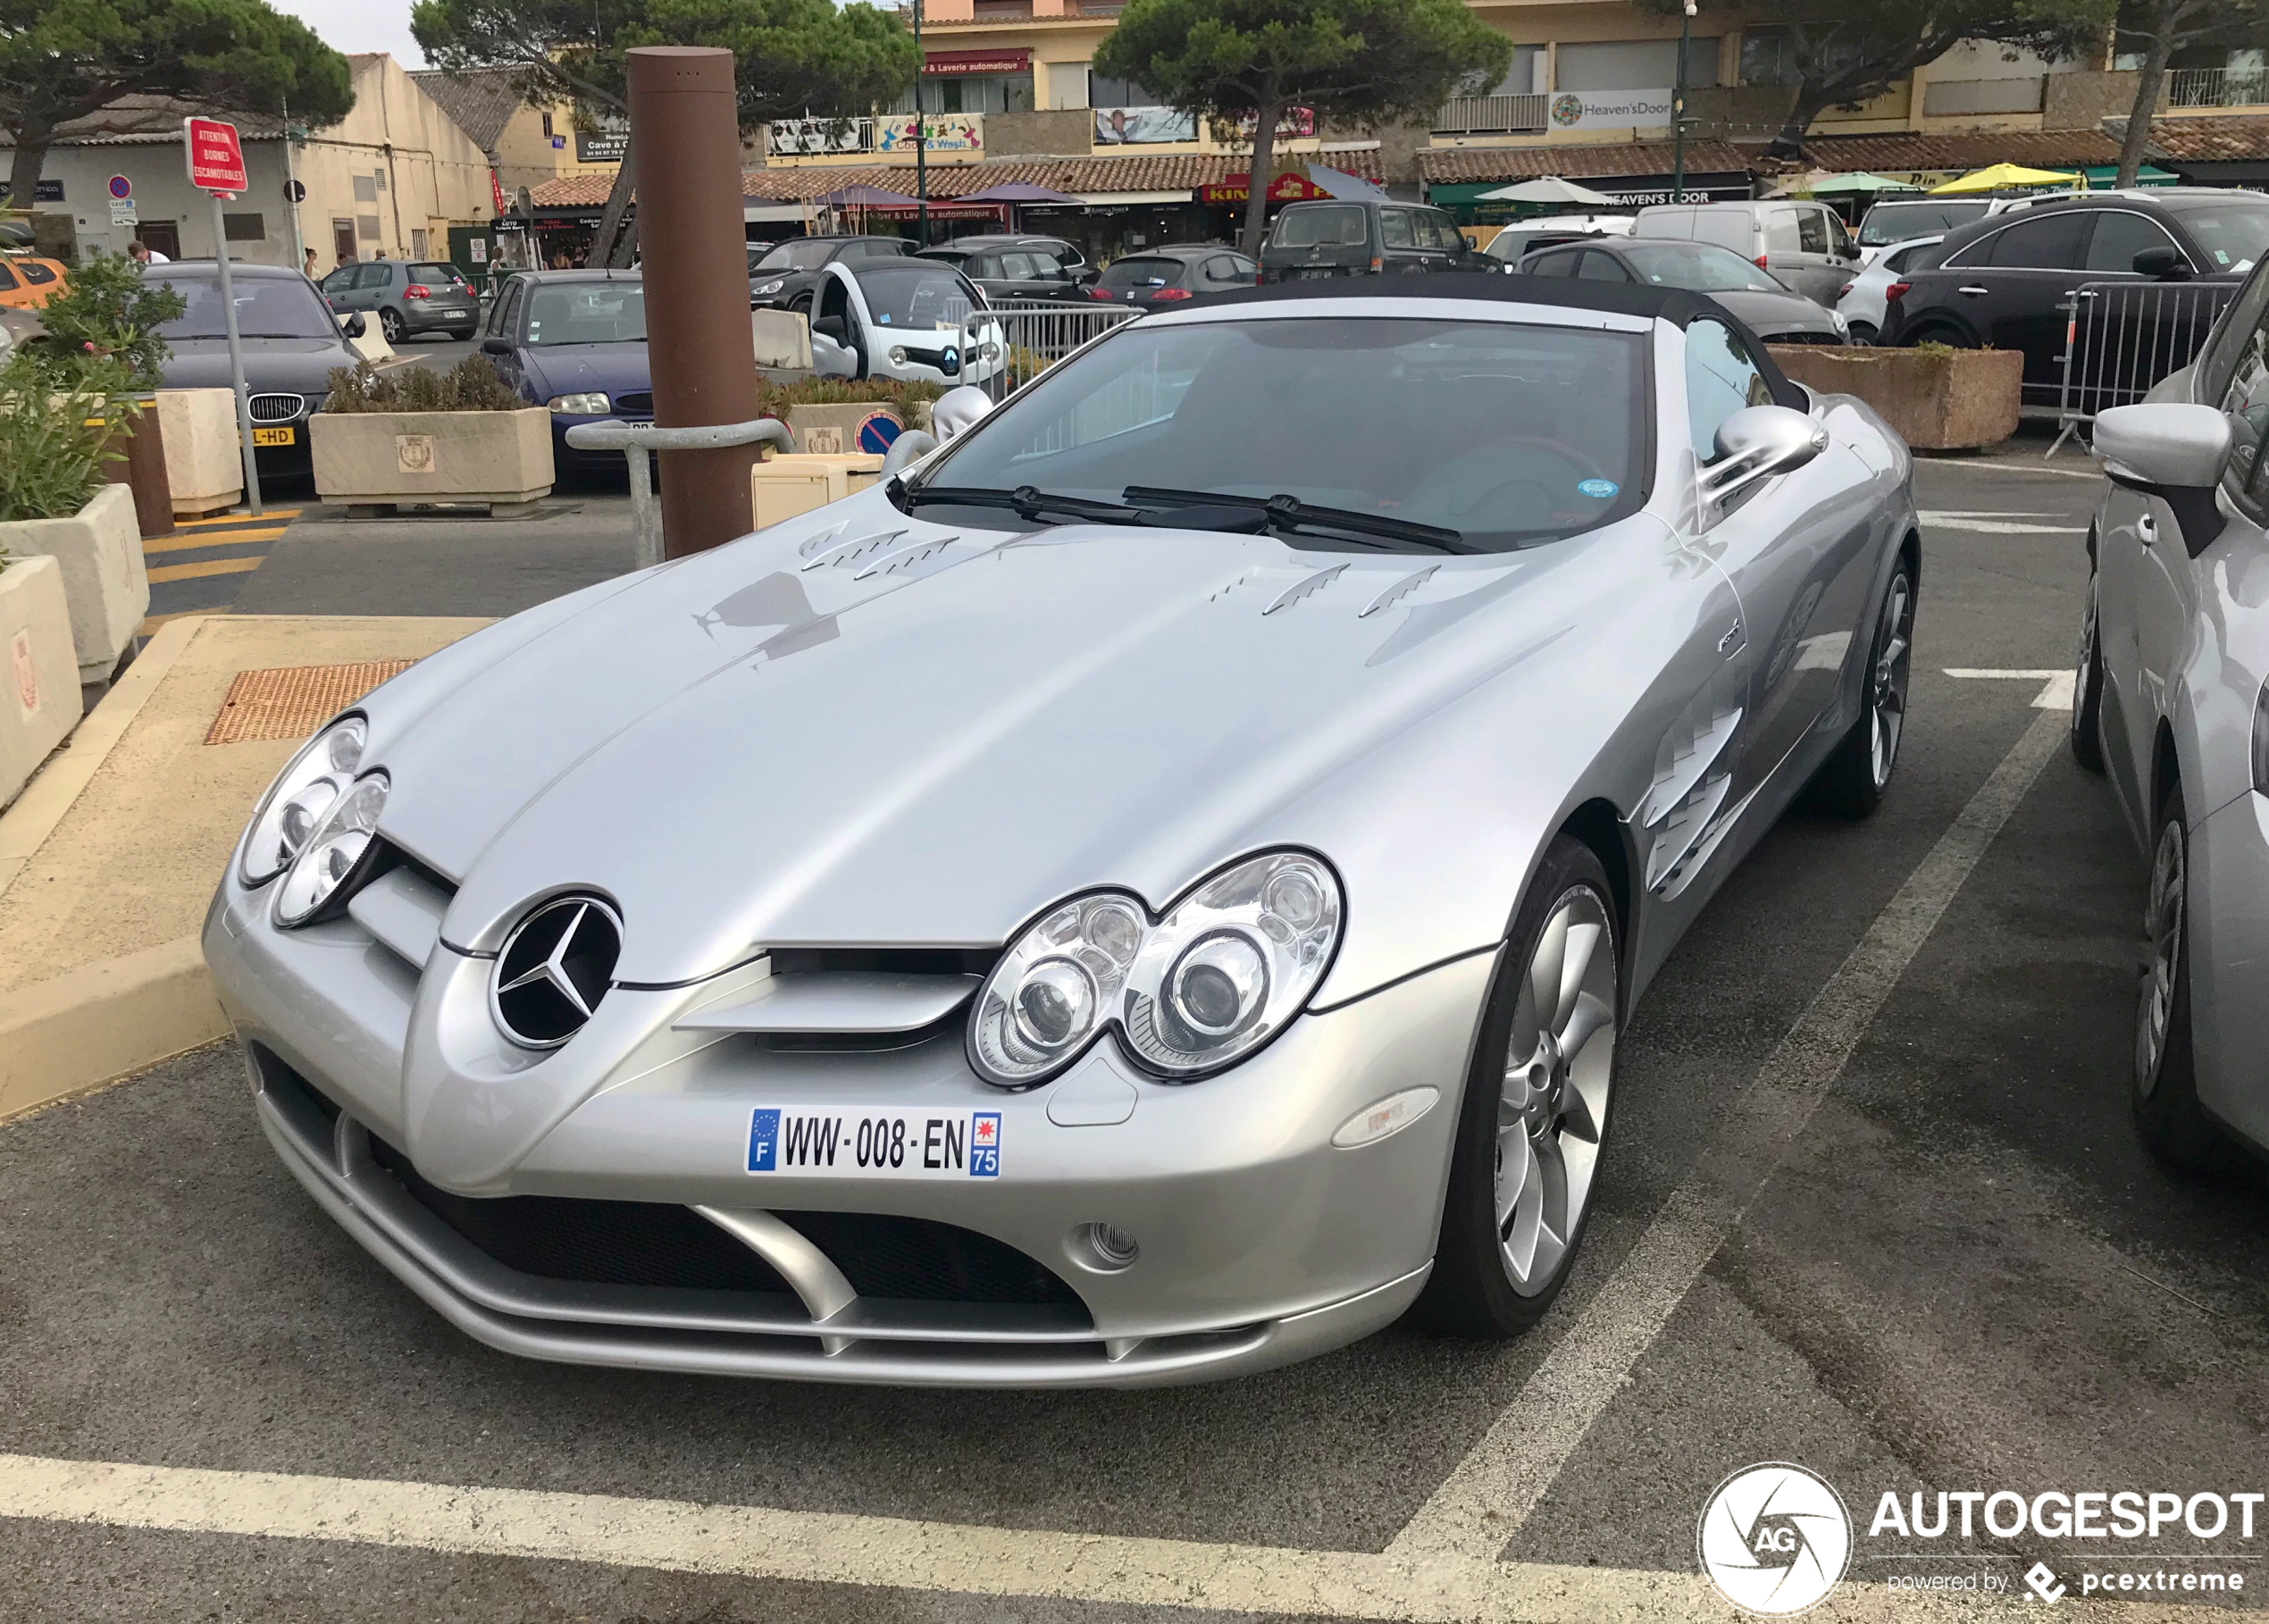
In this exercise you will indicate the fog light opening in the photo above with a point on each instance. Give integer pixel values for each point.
(1104, 1248)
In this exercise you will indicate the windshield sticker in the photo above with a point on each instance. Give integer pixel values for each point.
(1602, 488)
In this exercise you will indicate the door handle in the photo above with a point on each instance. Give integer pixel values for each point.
(2147, 529)
(1973, 290)
(1732, 637)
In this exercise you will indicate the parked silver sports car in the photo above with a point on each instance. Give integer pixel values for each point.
(2170, 699)
(1149, 895)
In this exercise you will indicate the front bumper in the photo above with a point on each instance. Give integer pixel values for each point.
(2229, 921)
(1261, 1244)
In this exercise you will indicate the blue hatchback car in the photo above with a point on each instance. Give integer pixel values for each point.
(574, 341)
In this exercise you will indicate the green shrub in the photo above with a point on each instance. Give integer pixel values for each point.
(108, 313)
(55, 441)
(472, 385)
(773, 399)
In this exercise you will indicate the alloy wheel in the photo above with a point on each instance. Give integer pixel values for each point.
(1551, 1106)
(1887, 683)
(390, 325)
(2163, 935)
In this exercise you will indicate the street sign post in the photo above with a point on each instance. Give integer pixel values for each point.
(216, 167)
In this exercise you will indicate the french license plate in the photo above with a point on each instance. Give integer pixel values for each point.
(1316, 272)
(285, 435)
(883, 1143)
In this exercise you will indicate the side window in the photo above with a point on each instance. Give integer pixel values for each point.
(1599, 267)
(7, 280)
(374, 275)
(834, 300)
(1812, 231)
(2120, 236)
(1549, 264)
(1899, 261)
(34, 272)
(1018, 267)
(508, 316)
(1782, 233)
(2246, 401)
(2045, 242)
(1840, 240)
(1395, 229)
(1446, 231)
(1720, 379)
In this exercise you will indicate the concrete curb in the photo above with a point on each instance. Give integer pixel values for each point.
(61, 1036)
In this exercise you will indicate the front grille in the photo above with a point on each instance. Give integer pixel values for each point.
(927, 1261)
(637, 400)
(606, 1242)
(276, 409)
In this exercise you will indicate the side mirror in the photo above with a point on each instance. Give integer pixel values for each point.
(957, 411)
(353, 324)
(495, 346)
(2172, 451)
(831, 327)
(2164, 263)
(1757, 442)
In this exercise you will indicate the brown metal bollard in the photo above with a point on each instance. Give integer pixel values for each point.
(143, 469)
(685, 128)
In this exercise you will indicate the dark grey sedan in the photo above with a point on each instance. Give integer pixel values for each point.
(407, 297)
(1764, 304)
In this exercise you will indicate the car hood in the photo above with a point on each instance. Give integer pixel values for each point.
(1777, 312)
(300, 366)
(574, 369)
(931, 736)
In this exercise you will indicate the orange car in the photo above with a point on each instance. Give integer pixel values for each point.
(27, 283)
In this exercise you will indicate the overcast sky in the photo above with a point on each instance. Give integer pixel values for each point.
(360, 25)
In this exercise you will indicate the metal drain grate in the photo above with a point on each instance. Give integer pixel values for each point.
(292, 701)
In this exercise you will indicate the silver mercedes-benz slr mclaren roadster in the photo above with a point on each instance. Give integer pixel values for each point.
(1146, 893)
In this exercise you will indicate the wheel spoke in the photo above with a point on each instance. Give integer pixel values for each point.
(1515, 1169)
(1590, 1015)
(1545, 967)
(1583, 941)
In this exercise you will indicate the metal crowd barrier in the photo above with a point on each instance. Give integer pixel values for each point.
(1035, 336)
(2122, 338)
(638, 440)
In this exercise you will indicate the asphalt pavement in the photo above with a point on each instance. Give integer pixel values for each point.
(1941, 1262)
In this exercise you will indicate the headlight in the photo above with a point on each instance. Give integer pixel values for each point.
(898, 355)
(773, 286)
(332, 853)
(581, 405)
(1218, 976)
(302, 794)
(991, 352)
(2261, 740)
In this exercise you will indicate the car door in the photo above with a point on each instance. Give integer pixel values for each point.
(502, 344)
(1398, 249)
(1798, 550)
(2016, 287)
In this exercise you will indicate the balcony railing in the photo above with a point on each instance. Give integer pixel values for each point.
(1492, 115)
(1944, 98)
(2218, 87)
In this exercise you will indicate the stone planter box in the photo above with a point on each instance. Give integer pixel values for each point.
(1954, 400)
(783, 340)
(385, 458)
(835, 430)
(202, 464)
(782, 487)
(38, 669)
(98, 550)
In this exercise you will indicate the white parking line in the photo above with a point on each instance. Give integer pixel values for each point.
(2000, 466)
(1998, 523)
(1493, 1490)
(884, 1553)
(2057, 694)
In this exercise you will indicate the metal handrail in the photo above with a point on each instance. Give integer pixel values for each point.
(636, 440)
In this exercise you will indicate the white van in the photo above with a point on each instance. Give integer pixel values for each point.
(1804, 244)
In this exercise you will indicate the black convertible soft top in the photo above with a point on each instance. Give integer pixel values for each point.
(1677, 306)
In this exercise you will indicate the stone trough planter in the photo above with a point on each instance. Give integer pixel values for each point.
(381, 460)
(1937, 400)
(203, 467)
(98, 554)
(849, 428)
(39, 701)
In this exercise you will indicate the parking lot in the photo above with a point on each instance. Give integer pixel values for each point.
(1873, 1207)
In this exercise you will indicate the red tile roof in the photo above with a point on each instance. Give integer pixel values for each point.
(1442, 165)
(1890, 154)
(2215, 140)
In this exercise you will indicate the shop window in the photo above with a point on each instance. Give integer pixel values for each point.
(367, 227)
(978, 93)
(1636, 64)
(243, 228)
(366, 189)
(1068, 84)
(1118, 93)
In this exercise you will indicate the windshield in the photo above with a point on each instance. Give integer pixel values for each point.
(915, 293)
(1509, 434)
(586, 312)
(267, 307)
(1897, 221)
(801, 256)
(2233, 234)
(1698, 267)
(1123, 273)
(1327, 222)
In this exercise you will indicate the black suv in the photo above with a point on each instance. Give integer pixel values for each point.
(2007, 281)
(1173, 271)
(1019, 267)
(786, 278)
(1327, 239)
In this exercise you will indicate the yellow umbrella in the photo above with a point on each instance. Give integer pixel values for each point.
(1998, 177)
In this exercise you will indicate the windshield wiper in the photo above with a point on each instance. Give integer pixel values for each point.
(1026, 501)
(1290, 512)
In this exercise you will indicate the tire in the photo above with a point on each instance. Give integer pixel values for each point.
(1864, 333)
(2163, 1095)
(1851, 783)
(1532, 1126)
(801, 306)
(2087, 690)
(389, 323)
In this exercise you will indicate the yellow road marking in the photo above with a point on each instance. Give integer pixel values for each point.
(174, 544)
(210, 566)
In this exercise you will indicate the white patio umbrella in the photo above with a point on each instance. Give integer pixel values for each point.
(1551, 188)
